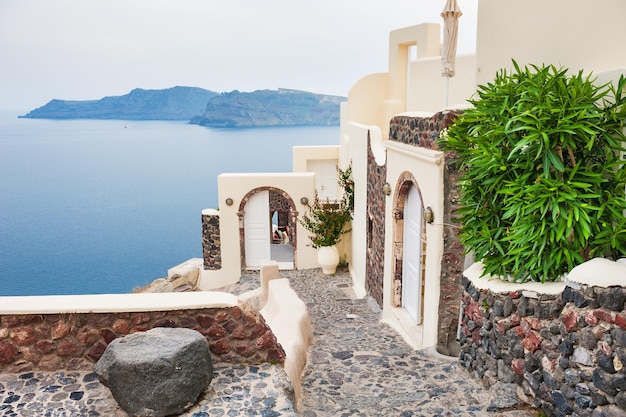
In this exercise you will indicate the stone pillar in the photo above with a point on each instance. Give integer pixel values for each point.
(211, 243)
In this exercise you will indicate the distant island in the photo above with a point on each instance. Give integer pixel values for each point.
(280, 107)
(176, 103)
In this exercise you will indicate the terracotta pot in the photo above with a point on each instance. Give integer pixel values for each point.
(328, 258)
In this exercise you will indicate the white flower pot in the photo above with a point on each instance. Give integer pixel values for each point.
(328, 258)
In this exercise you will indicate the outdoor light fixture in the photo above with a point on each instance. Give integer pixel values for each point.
(304, 201)
(429, 216)
(387, 188)
(229, 201)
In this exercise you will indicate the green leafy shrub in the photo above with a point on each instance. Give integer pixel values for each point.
(542, 181)
(326, 220)
(345, 181)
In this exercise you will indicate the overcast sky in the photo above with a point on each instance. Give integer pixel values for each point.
(84, 50)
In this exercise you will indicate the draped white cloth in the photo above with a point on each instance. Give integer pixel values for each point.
(450, 15)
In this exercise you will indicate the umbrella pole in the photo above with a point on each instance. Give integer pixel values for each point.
(447, 89)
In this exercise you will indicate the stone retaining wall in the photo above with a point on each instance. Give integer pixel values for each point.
(375, 260)
(562, 353)
(69, 341)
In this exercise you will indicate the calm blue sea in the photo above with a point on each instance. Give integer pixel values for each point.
(92, 207)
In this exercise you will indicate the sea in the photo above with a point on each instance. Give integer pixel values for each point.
(105, 206)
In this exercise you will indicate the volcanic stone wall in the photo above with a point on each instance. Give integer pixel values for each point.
(564, 353)
(51, 342)
(211, 242)
(376, 175)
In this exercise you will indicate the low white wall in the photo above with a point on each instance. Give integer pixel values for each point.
(597, 272)
(114, 303)
(288, 317)
(496, 285)
(600, 272)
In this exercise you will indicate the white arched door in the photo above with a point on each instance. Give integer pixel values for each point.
(256, 222)
(412, 256)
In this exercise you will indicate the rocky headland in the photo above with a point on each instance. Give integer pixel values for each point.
(234, 109)
(280, 107)
(176, 103)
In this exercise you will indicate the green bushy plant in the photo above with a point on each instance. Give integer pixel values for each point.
(326, 220)
(542, 181)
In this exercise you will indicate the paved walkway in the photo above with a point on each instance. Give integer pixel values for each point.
(356, 367)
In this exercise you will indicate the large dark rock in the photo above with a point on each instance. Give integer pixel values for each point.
(156, 373)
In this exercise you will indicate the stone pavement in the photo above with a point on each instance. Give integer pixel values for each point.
(356, 367)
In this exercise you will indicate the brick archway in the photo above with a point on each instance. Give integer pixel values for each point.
(406, 180)
(279, 201)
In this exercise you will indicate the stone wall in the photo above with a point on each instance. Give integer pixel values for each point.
(452, 263)
(563, 353)
(211, 241)
(51, 342)
(280, 203)
(421, 131)
(376, 178)
(425, 132)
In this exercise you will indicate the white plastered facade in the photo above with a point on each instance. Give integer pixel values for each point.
(572, 33)
(233, 188)
(575, 34)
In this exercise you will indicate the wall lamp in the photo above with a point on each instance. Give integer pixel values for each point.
(387, 188)
(429, 216)
(229, 201)
(304, 201)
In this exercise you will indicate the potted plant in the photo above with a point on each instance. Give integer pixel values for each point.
(327, 222)
(542, 180)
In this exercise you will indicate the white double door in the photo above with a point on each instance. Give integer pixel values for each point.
(325, 178)
(412, 256)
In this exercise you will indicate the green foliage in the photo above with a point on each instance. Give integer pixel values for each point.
(326, 220)
(347, 184)
(542, 183)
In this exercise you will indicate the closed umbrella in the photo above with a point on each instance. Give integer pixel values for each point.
(450, 15)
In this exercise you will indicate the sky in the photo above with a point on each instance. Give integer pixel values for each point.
(85, 50)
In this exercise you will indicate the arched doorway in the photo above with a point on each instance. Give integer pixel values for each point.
(410, 245)
(267, 220)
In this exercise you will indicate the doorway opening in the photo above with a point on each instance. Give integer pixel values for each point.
(267, 228)
(409, 231)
